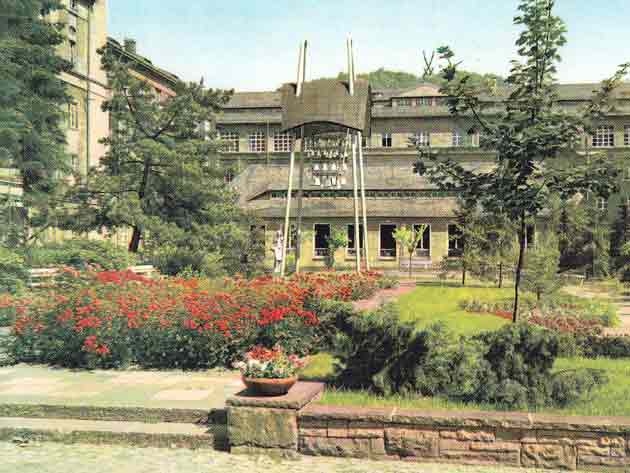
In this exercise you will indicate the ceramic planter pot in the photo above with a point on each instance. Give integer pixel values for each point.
(269, 386)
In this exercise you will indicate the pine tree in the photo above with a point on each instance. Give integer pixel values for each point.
(33, 101)
(162, 177)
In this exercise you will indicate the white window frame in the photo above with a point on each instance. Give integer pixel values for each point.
(74, 53)
(421, 242)
(602, 204)
(386, 138)
(231, 140)
(292, 231)
(457, 139)
(282, 142)
(422, 138)
(626, 135)
(380, 255)
(456, 241)
(315, 255)
(73, 116)
(604, 136)
(257, 142)
(350, 253)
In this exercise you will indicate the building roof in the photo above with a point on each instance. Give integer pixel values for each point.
(255, 100)
(327, 101)
(331, 208)
(143, 64)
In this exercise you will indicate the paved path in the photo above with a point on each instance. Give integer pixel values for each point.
(622, 302)
(32, 384)
(385, 295)
(79, 458)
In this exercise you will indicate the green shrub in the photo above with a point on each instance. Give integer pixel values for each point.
(609, 347)
(510, 367)
(388, 282)
(13, 273)
(80, 253)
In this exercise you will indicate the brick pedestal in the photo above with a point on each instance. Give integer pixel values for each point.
(268, 425)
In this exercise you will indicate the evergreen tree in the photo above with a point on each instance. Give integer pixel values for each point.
(540, 274)
(620, 237)
(33, 102)
(162, 177)
(528, 135)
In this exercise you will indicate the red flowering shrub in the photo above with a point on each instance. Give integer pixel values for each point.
(113, 318)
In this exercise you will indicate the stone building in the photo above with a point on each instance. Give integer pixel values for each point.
(257, 154)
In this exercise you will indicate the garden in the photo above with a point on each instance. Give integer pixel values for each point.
(440, 345)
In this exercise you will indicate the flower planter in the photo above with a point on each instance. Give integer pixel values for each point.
(269, 386)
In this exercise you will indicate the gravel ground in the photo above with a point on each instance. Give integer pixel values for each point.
(80, 458)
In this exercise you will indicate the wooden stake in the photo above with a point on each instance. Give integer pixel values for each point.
(356, 203)
(287, 215)
(298, 243)
(363, 206)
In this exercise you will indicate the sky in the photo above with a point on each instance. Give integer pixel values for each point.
(251, 45)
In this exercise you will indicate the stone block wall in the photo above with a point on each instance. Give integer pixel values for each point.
(512, 439)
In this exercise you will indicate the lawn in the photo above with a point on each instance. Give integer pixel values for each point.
(430, 303)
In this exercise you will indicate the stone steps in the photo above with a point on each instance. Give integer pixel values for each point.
(138, 434)
(114, 413)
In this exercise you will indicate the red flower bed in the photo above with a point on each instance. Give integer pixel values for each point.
(112, 318)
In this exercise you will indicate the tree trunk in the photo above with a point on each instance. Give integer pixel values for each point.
(410, 257)
(134, 244)
(500, 274)
(135, 240)
(463, 273)
(519, 266)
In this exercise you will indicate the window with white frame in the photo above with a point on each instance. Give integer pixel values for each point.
(626, 173)
(258, 142)
(602, 204)
(74, 54)
(421, 138)
(228, 175)
(403, 103)
(282, 142)
(73, 115)
(424, 245)
(473, 137)
(387, 242)
(457, 139)
(604, 136)
(455, 240)
(321, 234)
(425, 101)
(386, 140)
(293, 237)
(351, 249)
(626, 135)
(230, 141)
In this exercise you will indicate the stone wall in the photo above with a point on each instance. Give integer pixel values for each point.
(514, 439)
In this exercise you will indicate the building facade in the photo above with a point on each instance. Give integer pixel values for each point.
(257, 153)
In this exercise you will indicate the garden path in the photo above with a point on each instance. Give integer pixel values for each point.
(59, 458)
(384, 295)
(623, 308)
(42, 385)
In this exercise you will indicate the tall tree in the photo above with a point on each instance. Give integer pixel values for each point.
(161, 176)
(528, 135)
(33, 103)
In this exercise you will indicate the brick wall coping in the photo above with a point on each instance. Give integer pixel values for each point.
(465, 419)
(302, 393)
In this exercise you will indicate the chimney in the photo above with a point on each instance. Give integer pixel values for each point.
(130, 45)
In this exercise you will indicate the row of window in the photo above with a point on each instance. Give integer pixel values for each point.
(604, 136)
(257, 142)
(387, 243)
(423, 138)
